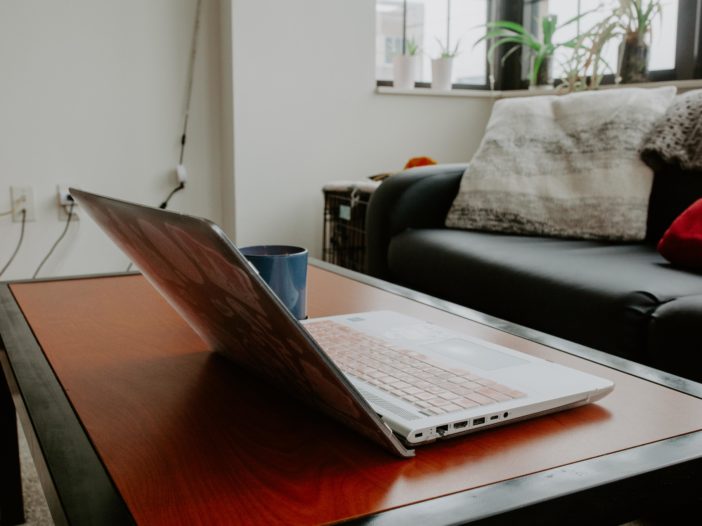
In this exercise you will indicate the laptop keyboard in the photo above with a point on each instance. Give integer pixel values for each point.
(431, 386)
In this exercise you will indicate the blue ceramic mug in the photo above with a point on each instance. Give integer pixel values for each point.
(284, 269)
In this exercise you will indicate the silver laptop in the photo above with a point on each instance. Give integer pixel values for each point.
(398, 380)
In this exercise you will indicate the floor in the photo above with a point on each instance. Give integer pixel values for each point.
(36, 511)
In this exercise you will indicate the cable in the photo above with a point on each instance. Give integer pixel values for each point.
(178, 188)
(51, 251)
(191, 76)
(5, 213)
(19, 243)
(180, 169)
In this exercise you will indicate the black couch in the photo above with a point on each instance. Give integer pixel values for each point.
(624, 299)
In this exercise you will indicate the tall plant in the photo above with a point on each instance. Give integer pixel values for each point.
(636, 20)
(584, 68)
(505, 32)
(636, 17)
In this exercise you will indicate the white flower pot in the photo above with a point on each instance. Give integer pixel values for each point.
(403, 71)
(441, 73)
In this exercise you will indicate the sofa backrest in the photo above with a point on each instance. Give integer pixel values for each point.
(674, 190)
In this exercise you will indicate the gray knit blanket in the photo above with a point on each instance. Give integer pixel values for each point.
(563, 166)
(676, 138)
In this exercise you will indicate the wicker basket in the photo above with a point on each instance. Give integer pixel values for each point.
(345, 206)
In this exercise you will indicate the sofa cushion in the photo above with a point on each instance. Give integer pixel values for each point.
(564, 166)
(673, 191)
(676, 137)
(674, 337)
(598, 294)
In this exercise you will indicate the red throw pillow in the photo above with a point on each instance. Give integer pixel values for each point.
(682, 242)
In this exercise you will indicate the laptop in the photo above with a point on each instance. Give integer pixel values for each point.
(400, 381)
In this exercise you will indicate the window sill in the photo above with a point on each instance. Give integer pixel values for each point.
(682, 85)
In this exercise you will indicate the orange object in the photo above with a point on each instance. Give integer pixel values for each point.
(419, 161)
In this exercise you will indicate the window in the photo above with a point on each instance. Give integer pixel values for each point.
(663, 41)
(674, 52)
(430, 24)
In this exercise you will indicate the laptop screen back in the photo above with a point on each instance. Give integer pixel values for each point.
(192, 263)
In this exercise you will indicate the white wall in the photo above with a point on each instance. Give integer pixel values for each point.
(306, 113)
(92, 94)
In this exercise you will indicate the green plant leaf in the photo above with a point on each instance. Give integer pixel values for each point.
(506, 24)
(535, 69)
(511, 51)
(508, 40)
(411, 47)
(495, 45)
(548, 25)
(499, 33)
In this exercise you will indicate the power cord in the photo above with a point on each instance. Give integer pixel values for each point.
(51, 251)
(181, 172)
(19, 243)
(178, 188)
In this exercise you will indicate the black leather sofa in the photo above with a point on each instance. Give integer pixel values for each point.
(624, 299)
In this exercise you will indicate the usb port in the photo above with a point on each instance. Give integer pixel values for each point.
(479, 421)
(459, 425)
(494, 417)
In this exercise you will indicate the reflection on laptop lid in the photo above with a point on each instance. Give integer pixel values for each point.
(427, 382)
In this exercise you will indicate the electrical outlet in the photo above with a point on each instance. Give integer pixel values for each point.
(65, 201)
(22, 198)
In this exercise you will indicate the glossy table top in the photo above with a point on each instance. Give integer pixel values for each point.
(187, 438)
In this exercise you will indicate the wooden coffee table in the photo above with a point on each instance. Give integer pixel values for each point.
(131, 419)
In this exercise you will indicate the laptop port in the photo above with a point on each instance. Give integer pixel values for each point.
(417, 435)
(459, 425)
(494, 417)
(479, 421)
(442, 429)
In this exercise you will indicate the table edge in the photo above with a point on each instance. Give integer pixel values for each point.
(50, 422)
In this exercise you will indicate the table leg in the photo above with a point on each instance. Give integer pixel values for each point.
(11, 505)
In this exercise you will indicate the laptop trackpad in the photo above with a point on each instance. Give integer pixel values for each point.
(472, 354)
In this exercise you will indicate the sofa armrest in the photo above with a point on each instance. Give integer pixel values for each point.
(416, 198)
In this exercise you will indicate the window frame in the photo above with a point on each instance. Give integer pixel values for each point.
(484, 86)
(688, 51)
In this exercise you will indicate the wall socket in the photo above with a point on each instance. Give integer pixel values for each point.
(65, 202)
(22, 197)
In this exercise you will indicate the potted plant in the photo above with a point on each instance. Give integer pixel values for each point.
(442, 66)
(541, 50)
(636, 18)
(404, 66)
(584, 67)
